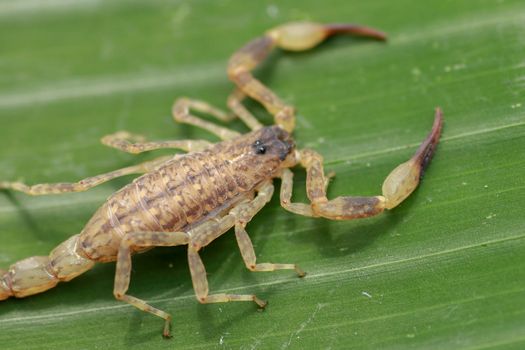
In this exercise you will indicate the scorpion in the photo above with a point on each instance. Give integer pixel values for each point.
(193, 198)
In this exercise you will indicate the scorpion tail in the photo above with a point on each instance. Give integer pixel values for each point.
(39, 273)
(295, 36)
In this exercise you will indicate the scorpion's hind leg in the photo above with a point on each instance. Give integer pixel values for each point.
(398, 185)
(82, 185)
(135, 144)
(123, 269)
(181, 113)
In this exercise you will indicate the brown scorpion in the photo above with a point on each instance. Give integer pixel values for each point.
(194, 198)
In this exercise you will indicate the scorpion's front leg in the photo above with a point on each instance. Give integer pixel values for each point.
(202, 236)
(398, 185)
(248, 255)
(244, 213)
(235, 103)
(207, 232)
(134, 144)
(181, 113)
(200, 284)
(85, 184)
(123, 270)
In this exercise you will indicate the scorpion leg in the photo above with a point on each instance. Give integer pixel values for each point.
(201, 236)
(200, 284)
(235, 104)
(244, 213)
(85, 184)
(181, 113)
(286, 196)
(398, 185)
(131, 143)
(123, 269)
(248, 254)
(207, 232)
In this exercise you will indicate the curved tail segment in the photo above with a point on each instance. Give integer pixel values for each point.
(297, 36)
(39, 273)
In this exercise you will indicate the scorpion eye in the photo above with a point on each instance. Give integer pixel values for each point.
(259, 147)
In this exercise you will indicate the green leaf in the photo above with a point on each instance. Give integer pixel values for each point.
(444, 270)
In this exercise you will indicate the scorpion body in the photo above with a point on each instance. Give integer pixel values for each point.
(194, 198)
(183, 192)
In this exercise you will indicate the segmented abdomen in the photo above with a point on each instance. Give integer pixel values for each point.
(180, 193)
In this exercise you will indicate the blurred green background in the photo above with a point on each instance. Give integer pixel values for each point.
(444, 270)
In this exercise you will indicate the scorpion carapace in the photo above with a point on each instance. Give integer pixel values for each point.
(194, 198)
